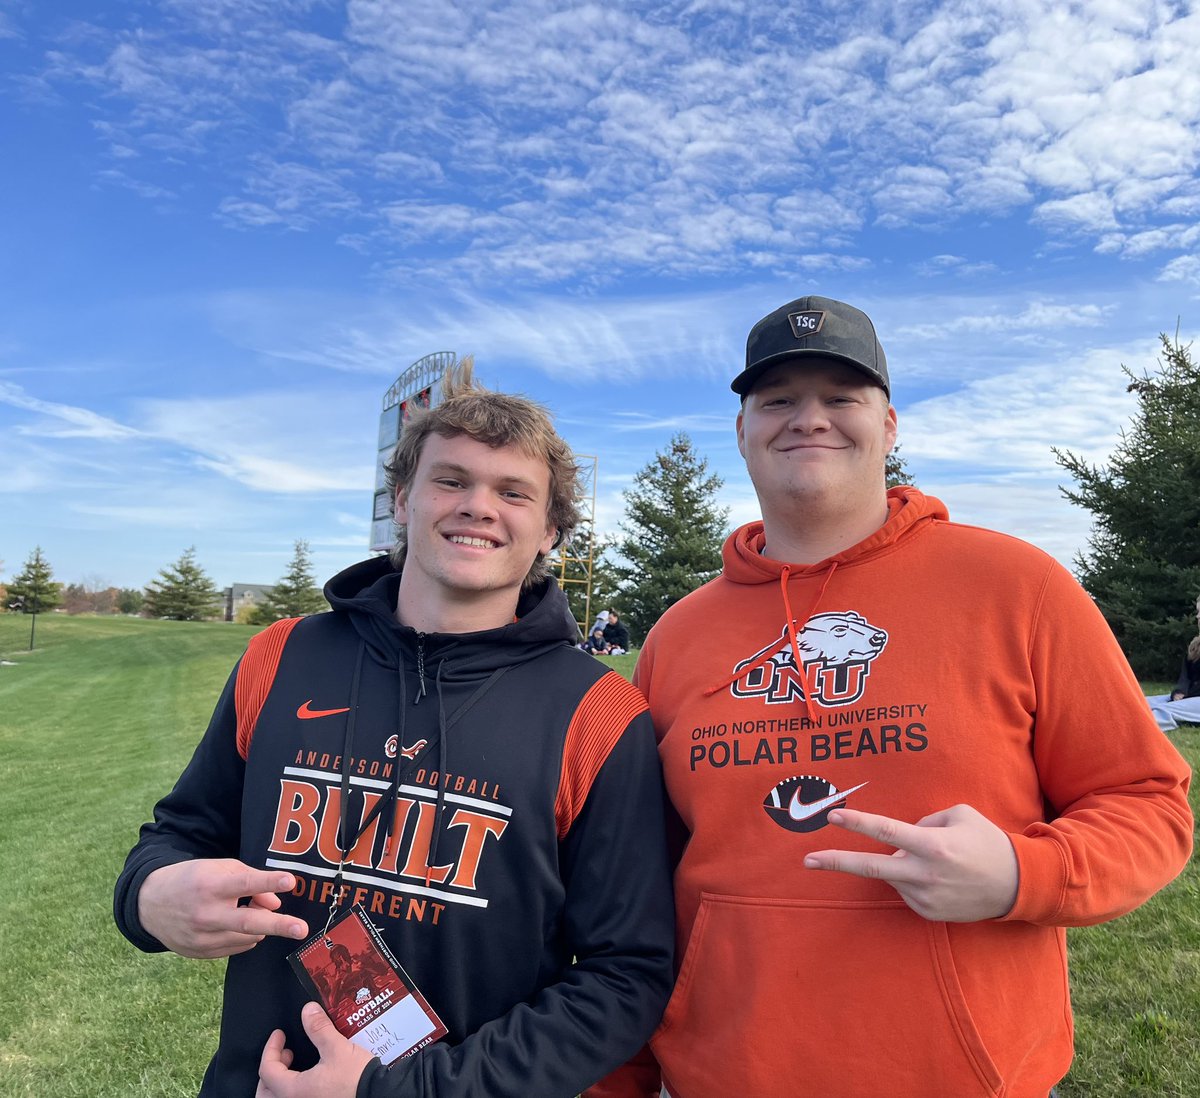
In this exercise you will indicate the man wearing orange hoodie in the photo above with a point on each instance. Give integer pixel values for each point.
(917, 756)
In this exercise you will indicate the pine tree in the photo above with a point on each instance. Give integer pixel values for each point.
(182, 592)
(295, 595)
(33, 590)
(1143, 561)
(895, 472)
(130, 600)
(673, 533)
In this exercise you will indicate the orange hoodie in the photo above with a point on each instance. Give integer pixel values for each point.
(940, 664)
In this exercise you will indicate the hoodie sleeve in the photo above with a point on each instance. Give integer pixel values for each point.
(199, 818)
(619, 924)
(1120, 827)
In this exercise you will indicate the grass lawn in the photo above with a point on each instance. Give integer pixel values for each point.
(96, 724)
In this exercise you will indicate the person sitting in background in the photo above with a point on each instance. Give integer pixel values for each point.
(1182, 705)
(616, 634)
(596, 644)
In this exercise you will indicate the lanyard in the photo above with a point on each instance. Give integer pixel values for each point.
(344, 841)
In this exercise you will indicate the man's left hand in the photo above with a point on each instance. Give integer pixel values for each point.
(954, 866)
(337, 1074)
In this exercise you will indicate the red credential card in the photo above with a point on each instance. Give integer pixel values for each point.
(351, 972)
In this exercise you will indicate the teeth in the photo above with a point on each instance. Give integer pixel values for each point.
(481, 543)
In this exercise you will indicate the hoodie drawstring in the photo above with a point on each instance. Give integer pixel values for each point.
(790, 627)
(431, 861)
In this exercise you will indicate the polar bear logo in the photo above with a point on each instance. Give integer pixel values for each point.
(836, 650)
(839, 638)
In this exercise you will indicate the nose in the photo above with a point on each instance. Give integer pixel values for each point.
(808, 415)
(478, 503)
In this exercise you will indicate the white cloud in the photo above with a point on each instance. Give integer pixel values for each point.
(1009, 423)
(63, 420)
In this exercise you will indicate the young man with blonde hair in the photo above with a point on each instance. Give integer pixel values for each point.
(437, 751)
(915, 758)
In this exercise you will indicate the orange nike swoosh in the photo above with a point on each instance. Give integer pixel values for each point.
(306, 714)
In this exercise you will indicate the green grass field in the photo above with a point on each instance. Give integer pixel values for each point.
(95, 725)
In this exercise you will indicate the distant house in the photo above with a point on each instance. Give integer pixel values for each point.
(243, 596)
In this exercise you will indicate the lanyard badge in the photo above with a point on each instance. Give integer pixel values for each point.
(348, 968)
(371, 1000)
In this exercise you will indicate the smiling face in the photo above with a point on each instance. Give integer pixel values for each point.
(476, 519)
(816, 434)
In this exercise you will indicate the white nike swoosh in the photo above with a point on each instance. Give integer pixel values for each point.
(798, 810)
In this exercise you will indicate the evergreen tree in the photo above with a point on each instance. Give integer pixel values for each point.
(130, 600)
(33, 590)
(1142, 565)
(294, 596)
(673, 531)
(182, 592)
(895, 471)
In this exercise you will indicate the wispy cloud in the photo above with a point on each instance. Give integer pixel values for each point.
(546, 140)
(63, 420)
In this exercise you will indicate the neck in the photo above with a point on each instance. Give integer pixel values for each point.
(807, 534)
(435, 611)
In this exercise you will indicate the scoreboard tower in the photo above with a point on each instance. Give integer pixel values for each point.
(417, 387)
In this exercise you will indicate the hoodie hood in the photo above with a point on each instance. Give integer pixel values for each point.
(459, 669)
(909, 509)
(366, 592)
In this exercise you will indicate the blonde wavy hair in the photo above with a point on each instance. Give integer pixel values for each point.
(495, 419)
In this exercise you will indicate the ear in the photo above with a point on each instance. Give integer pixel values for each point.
(400, 506)
(550, 541)
(741, 434)
(890, 427)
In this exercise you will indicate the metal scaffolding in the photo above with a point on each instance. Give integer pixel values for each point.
(575, 559)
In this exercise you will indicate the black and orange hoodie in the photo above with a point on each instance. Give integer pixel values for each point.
(517, 867)
(930, 665)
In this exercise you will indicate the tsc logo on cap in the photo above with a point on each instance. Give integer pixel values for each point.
(807, 323)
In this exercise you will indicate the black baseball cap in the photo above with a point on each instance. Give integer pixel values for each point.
(816, 327)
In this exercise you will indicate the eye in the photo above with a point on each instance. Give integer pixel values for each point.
(448, 482)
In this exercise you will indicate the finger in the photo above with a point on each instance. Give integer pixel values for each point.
(892, 868)
(319, 1028)
(273, 1066)
(897, 833)
(268, 901)
(244, 881)
(257, 923)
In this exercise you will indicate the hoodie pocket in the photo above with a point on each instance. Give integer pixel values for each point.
(820, 999)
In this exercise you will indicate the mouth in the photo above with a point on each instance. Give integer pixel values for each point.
(472, 541)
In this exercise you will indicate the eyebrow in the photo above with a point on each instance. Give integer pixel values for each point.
(441, 468)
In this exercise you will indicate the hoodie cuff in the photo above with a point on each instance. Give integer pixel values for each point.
(125, 901)
(376, 1081)
(1042, 880)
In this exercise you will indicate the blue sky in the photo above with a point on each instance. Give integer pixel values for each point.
(230, 224)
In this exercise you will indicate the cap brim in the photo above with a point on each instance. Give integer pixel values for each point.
(744, 382)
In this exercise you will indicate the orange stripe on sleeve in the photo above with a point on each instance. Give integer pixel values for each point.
(255, 675)
(600, 719)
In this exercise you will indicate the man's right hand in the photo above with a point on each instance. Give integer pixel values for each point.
(192, 907)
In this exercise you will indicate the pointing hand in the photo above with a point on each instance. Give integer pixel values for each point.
(192, 907)
(953, 866)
